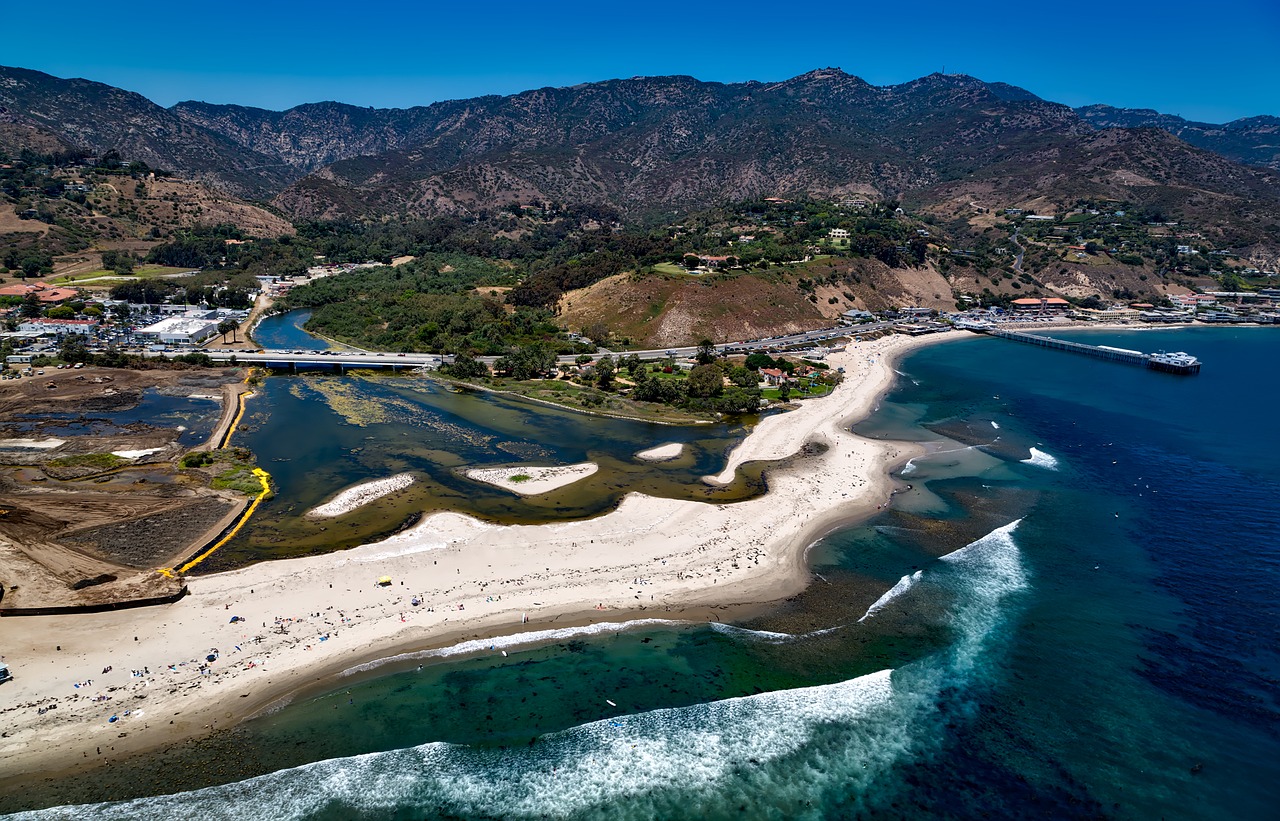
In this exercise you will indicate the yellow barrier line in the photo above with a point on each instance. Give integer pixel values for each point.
(264, 479)
(235, 423)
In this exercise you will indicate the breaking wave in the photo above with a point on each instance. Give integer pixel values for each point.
(809, 752)
(1041, 460)
(904, 584)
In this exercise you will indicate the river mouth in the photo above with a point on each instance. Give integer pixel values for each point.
(319, 434)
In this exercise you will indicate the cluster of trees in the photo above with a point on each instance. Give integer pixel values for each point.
(73, 349)
(28, 262)
(213, 288)
(119, 261)
(430, 304)
(704, 389)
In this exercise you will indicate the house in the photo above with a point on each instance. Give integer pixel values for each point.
(1040, 218)
(712, 261)
(854, 315)
(774, 376)
(838, 233)
(46, 294)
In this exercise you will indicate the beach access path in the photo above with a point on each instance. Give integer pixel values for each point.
(299, 622)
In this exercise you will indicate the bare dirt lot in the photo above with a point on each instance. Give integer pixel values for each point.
(90, 518)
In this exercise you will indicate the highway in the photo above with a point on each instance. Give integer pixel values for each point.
(397, 360)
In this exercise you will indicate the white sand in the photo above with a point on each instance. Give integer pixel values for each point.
(309, 618)
(541, 479)
(32, 444)
(134, 454)
(359, 495)
(661, 453)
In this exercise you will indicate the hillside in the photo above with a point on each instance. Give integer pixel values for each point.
(1252, 140)
(653, 310)
(59, 218)
(310, 136)
(675, 142)
(98, 117)
(650, 145)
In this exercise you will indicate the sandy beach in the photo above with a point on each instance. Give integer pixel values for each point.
(530, 481)
(277, 627)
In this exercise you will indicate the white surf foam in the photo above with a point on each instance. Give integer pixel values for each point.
(795, 746)
(651, 761)
(765, 636)
(1041, 460)
(904, 584)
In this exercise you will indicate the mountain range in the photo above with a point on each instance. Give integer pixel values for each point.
(647, 145)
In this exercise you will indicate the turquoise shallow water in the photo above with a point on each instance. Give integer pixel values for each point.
(1071, 613)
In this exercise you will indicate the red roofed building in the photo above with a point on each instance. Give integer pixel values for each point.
(1041, 305)
(47, 295)
(774, 376)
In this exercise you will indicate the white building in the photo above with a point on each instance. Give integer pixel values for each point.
(59, 327)
(187, 330)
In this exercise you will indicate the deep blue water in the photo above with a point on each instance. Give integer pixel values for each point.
(1071, 614)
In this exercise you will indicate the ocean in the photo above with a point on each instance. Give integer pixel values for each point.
(1070, 613)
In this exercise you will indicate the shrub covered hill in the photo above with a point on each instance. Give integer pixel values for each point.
(651, 144)
(588, 198)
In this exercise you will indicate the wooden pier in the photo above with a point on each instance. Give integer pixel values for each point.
(1176, 363)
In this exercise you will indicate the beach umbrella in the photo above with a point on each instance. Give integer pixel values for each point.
(211, 657)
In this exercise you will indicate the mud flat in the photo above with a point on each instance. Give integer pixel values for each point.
(87, 519)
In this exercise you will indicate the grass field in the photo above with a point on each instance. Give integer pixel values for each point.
(816, 390)
(106, 279)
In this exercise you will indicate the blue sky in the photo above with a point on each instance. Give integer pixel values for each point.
(1213, 61)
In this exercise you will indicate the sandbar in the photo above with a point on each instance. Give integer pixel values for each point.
(304, 620)
(539, 479)
(662, 453)
(360, 495)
